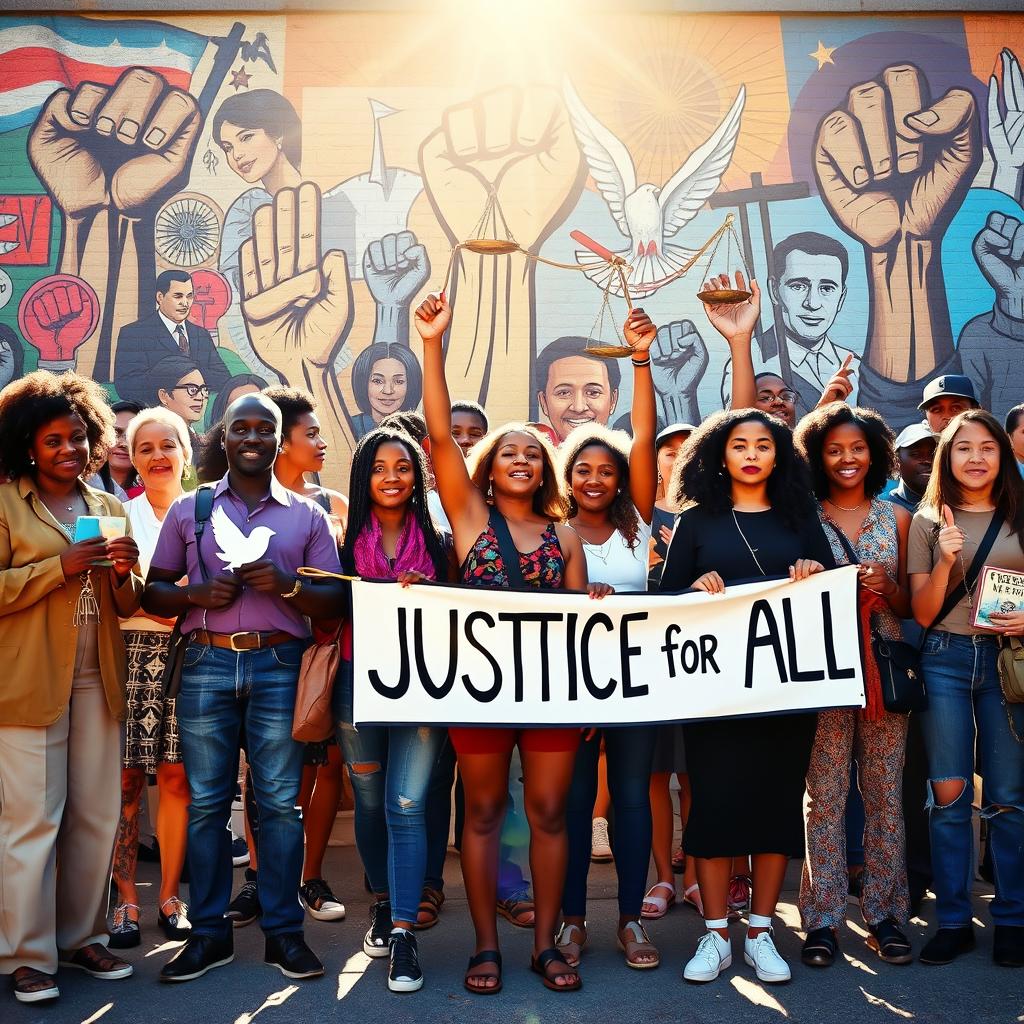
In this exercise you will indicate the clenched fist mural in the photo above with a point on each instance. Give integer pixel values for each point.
(303, 207)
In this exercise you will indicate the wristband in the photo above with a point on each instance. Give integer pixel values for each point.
(644, 362)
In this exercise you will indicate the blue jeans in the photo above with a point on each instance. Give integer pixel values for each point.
(966, 709)
(630, 752)
(221, 690)
(391, 799)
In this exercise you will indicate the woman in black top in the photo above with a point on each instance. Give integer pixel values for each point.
(747, 515)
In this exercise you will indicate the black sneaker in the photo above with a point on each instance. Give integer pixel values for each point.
(201, 953)
(245, 907)
(404, 974)
(239, 852)
(1008, 945)
(375, 941)
(292, 957)
(321, 903)
(946, 945)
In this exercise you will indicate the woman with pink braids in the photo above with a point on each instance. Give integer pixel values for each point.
(390, 536)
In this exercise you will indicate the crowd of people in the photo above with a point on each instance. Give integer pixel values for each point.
(878, 803)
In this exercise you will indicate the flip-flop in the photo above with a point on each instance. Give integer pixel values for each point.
(639, 942)
(539, 965)
(570, 948)
(486, 956)
(659, 902)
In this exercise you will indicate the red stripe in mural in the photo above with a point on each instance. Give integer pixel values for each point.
(31, 64)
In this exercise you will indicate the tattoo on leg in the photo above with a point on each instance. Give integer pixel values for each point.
(126, 849)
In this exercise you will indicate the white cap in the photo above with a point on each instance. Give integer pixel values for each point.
(914, 433)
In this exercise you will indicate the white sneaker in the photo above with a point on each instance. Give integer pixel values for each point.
(761, 954)
(600, 848)
(714, 955)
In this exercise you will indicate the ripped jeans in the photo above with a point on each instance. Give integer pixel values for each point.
(390, 793)
(966, 709)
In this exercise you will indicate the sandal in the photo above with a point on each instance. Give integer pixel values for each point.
(539, 965)
(819, 948)
(691, 895)
(519, 912)
(634, 941)
(32, 986)
(678, 862)
(431, 901)
(660, 903)
(570, 947)
(97, 960)
(487, 956)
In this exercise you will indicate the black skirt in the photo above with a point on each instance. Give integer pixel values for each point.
(747, 781)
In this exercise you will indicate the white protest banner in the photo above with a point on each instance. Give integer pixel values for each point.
(440, 655)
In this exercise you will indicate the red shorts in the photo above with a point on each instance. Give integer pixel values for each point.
(474, 740)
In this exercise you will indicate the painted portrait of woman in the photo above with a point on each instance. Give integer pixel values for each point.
(386, 378)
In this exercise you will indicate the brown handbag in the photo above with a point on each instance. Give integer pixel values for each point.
(313, 721)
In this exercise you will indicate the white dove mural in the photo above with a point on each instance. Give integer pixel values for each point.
(234, 547)
(648, 215)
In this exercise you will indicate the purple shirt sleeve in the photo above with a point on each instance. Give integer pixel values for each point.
(171, 551)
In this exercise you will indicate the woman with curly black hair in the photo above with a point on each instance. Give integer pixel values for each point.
(612, 487)
(748, 514)
(390, 535)
(64, 685)
(851, 456)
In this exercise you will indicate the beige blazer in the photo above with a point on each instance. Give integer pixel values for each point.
(38, 637)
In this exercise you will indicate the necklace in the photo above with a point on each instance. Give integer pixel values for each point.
(753, 551)
(600, 551)
(856, 508)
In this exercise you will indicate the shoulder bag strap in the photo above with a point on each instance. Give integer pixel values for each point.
(851, 554)
(956, 595)
(508, 549)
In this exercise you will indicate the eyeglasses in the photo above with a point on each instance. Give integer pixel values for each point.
(193, 390)
(781, 396)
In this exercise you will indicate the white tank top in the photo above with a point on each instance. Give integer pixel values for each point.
(614, 563)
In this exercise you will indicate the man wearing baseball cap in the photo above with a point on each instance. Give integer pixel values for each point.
(946, 397)
(915, 448)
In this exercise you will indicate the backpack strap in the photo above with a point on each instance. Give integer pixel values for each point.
(508, 549)
(203, 511)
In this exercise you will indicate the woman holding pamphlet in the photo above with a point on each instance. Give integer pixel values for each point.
(64, 684)
(972, 516)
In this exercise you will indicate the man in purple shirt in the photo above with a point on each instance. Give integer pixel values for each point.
(245, 614)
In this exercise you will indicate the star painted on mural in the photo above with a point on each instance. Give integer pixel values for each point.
(823, 54)
(240, 79)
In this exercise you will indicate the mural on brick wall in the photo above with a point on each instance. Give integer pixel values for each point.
(194, 206)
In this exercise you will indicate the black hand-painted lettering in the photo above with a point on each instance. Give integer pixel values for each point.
(762, 609)
(810, 676)
(599, 692)
(626, 652)
(401, 688)
(834, 671)
(485, 696)
(433, 690)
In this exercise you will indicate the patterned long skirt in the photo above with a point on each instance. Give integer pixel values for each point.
(152, 727)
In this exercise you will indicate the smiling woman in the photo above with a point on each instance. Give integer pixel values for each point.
(386, 378)
(56, 600)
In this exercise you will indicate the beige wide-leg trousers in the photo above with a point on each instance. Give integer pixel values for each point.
(60, 800)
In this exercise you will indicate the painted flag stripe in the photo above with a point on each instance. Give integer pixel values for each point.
(29, 66)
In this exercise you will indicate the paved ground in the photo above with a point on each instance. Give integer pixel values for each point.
(858, 988)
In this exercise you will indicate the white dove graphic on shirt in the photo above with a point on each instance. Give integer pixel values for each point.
(646, 214)
(235, 548)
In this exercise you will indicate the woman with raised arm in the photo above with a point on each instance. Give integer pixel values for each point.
(509, 482)
(750, 515)
(851, 456)
(612, 486)
(973, 511)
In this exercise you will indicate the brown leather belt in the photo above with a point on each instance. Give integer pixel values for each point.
(251, 641)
